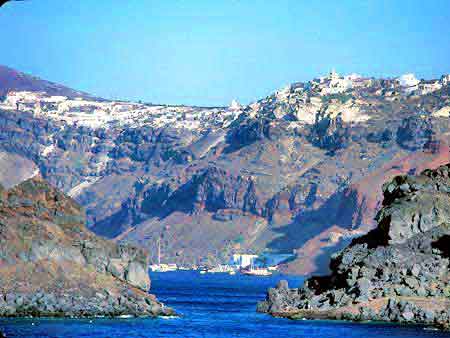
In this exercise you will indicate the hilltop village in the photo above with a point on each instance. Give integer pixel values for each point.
(103, 113)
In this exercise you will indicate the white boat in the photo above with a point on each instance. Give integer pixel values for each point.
(252, 271)
(162, 267)
(256, 272)
(221, 269)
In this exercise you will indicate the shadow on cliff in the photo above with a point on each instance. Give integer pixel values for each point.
(341, 209)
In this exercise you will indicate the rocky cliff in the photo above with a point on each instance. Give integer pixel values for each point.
(52, 265)
(286, 174)
(397, 272)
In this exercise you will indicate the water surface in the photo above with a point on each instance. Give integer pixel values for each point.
(212, 305)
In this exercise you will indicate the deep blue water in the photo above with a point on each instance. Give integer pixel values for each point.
(212, 305)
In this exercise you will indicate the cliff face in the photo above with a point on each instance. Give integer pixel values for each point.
(286, 174)
(397, 272)
(52, 265)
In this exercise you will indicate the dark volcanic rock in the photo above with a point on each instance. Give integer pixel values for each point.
(380, 136)
(211, 189)
(397, 272)
(415, 132)
(329, 133)
(215, 189)
(52, 265)
(250, 131)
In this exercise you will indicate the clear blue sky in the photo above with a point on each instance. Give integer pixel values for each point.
(209, 52)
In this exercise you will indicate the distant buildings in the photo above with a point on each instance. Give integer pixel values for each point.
(235, 106)
(411, 85)
(334, 83)
(104, 113)
(426, 87)
(243, 260)
(406, 83)
(408, 80)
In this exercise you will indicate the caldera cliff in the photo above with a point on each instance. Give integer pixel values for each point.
(397, 272)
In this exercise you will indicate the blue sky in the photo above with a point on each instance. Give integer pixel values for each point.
(209, 52)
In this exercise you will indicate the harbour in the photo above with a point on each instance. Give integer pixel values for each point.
(246, 264)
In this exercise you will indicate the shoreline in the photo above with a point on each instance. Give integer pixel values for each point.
(331, 317)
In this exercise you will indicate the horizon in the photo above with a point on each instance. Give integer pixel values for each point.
(209, 54)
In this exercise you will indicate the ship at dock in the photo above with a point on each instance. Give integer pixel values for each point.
(257, 272)
(252, 270)
(162, 267)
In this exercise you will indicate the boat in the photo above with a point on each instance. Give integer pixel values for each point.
(256, 272)
(162, 267)
(252, 271)
(221, 269)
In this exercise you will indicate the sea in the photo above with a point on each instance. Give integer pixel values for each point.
(210, 305)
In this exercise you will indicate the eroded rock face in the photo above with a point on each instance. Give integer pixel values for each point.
(137, 275)
(329, 133)
(215, 189)
(414, 132)
(52, 265)
(212, 190)
(397, 272)
(251, 130)
(282, 161)
(415, 204)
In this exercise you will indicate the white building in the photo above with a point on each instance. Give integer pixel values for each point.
(352, 76)
(426, 87)
(283, 93)
(242, 260)
(235, 105)
(334, 83)
(408, 82)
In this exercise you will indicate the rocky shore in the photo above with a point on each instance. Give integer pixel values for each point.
(399, 272)
(51, 265)
(128, 304)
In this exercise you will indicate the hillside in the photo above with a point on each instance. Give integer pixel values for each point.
(12, 80)
(397, 272)
(299, 171)
(52, 265)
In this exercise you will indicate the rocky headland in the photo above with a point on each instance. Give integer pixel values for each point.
(398, 272)
(52, 265)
